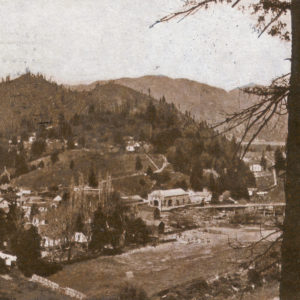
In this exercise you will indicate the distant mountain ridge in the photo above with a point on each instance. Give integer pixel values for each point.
(205, 102)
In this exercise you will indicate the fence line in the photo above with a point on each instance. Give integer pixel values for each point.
(55, 287)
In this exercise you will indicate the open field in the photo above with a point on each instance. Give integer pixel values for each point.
(158, 268)
(16, 287)
(118, 165)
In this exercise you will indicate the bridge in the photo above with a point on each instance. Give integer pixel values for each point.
(265, 208)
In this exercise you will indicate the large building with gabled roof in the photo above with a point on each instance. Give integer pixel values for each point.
(167, 199)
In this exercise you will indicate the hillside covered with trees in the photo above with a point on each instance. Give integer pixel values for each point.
(101, 119)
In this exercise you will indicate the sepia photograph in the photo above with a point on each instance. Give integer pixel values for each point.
(150, 150)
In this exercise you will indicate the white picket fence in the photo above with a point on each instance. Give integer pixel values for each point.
(55, 287)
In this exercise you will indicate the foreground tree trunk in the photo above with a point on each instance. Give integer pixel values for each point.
(290, 275)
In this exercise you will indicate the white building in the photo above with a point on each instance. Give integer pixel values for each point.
(79, 237)
(167, 199)
(8, 258)
(256, 168)
(23, 192)
(200, 197)
(47, 242)
(32, 139)
(130, 148)
(4, 204)
(251, 191)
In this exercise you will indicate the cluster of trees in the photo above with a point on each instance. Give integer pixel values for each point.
(22, 242)
(112, 225)
(198, 149)
(192, 147)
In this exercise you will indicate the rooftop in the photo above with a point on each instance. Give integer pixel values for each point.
(170, 193)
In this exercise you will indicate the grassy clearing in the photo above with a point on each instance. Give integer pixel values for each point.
(154, 268)
(117, 165)
(19, 288)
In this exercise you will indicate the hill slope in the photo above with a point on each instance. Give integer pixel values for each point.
(30, 99)
(203, 101)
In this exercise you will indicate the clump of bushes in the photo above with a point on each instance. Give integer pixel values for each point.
(245, 219)
(132, 292)
(3, 267)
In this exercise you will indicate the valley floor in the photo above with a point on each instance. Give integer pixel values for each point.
(197, 254)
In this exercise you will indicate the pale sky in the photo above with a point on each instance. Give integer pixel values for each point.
(80, 41)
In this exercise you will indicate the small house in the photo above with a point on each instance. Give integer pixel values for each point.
(8, 258)
(57, 199)
(256, 168)
(79, 237)
(130, 148)
(200, 197)
(4, 204)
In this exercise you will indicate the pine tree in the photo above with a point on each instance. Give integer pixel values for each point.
(156, 214)
(3, 227)
(99, 236)
(196, 177)
(149, 171)
(21, 165)
(26, 246)
(54, 157)
(263, 161)
(212, 183)
(138, 164)
(72, 164)
(79, 225)
(279, 160)
(151, 113)
(92, 178)
(70, 143)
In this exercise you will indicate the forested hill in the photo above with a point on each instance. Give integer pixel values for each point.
(206, 103)
(102, 118)
(30, 100)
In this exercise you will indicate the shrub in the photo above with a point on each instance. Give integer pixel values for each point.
(132, 292)
(161, 228)
(246, 218)
(44, 268)
(3, 267)
(41, 164)
(156, 214)
(54, 157)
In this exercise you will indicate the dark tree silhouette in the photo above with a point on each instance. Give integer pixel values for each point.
(54, 157)
(70, 143)
(3, 227)
(281, 97)
(21, 165)
(263, 161)
(156, 214)
(138, 164)
(38, 147)
(34, 210)
(99, 230)
(279, 160)
(196, 178)
(26, 246)
(151, 112)
(41, 164)
(72, 164)
(79, 225)
(92, 178)
(149, 171)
